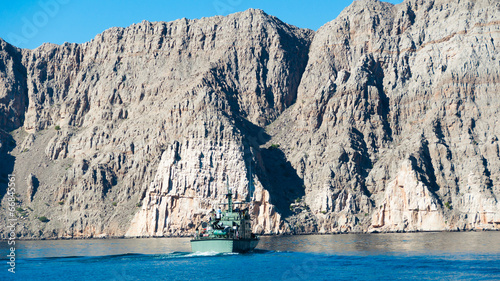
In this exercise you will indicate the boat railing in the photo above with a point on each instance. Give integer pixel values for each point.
(223, 235)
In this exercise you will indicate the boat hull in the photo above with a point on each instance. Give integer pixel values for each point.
(223, 245)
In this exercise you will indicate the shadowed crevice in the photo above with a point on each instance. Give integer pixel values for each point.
(14, 105)
(6, 161)
(280, 179)
(422, 164)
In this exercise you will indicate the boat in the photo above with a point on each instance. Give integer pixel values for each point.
(226, 231)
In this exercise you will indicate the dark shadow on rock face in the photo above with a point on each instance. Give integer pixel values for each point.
(280, 179)
(254, 135)
(13, 106)
(361, 156)
(6, 161)
(422, 164)
(36, 183)
(14, 101)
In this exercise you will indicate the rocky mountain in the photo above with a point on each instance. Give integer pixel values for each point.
(382, 120)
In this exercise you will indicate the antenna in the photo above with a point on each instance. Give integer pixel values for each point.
(250, 184)
(229, 197)
(227, 186)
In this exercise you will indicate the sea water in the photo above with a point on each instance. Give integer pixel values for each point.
(412, 256)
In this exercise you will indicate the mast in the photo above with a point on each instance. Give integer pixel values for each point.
(229, 197)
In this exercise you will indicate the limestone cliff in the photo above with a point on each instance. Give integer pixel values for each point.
(395, 125)
(382, 120)
(147, 122)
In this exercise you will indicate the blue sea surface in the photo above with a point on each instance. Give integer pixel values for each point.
(414, 256)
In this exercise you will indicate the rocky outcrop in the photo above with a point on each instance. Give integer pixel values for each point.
(32, 182)
(382, 120)
(104, 116)
(396, 109)
(408, 204)
(13, 93)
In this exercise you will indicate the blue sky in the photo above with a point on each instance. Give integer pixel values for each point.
(29, 23)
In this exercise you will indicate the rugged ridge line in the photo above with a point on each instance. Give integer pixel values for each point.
(104, 116)
(382, 120)
(397, 108)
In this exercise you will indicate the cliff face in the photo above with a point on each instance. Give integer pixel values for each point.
(146, 122)
(383, 120)
(395, 125)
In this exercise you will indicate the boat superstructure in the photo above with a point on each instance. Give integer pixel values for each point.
(227, 230)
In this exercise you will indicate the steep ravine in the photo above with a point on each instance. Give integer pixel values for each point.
(385, 119)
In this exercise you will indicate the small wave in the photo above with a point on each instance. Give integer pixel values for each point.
(117, 256)
(139, 256)
(128, 256)
(209, 254)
